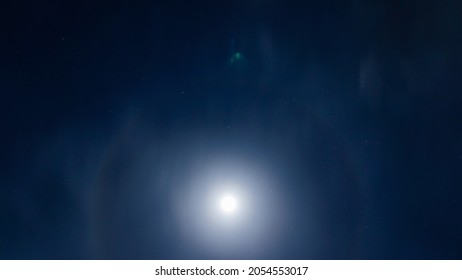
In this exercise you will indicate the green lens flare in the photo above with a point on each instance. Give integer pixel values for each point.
(236, 57)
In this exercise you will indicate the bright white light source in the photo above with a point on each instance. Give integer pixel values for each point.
(228, 204)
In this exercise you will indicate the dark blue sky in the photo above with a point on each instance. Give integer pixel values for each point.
(347, 114)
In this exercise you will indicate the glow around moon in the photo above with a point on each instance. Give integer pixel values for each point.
(229, 205)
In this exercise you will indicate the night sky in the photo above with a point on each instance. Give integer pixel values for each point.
(338, 124)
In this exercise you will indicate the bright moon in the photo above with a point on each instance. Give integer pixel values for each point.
(228, 204)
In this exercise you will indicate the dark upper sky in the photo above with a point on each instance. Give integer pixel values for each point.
(340, 120)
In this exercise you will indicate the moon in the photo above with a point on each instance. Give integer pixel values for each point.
(228, 204)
